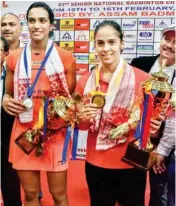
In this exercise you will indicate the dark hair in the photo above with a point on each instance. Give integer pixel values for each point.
(5, 44)
(113, 24)
(47, 8)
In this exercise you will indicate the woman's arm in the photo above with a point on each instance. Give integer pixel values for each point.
(10, 105)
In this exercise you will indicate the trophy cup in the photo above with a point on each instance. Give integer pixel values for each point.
(54, 114)
(157, 92)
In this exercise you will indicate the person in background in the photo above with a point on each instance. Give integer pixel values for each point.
(167, 143)
(10, 184)
(109, 179)
(57, 77)
(158, 183)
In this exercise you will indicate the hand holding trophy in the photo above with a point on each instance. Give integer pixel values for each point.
(157, 92)
(54, 114)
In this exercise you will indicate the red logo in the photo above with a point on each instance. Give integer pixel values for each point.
(81, 47)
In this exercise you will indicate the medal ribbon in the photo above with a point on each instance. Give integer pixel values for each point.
(31, 89)
(97, 79)
(71, 131)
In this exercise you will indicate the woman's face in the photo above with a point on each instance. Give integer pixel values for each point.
(108, 45)
(39, 24)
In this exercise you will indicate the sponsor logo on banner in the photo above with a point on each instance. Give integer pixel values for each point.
(25, 36)
(146, 24)
(82, 47)
(157, 36)
(69, 46)
(55, 36)
(81, 69)
(129, 57)
(93, 58)
(81, 35)
(67, 24)
(81, 58)
(145, 36)
(129, 24)
(24, 26)
(160, 24)
(66, 35)
(129, 48)
(130, 36)
(56, 24)
(94, 23)
(92, 36)
(82, 24)
(156, 48)
(91, 47)
(145, 48)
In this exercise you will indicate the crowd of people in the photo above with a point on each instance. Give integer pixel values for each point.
(39, 71)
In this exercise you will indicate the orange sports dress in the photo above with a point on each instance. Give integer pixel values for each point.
(51, 159)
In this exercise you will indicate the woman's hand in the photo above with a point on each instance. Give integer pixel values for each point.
(12, 106)
(88, 112)
(155, 125)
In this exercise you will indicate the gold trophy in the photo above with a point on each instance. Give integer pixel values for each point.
(157, 92)
(60, 113)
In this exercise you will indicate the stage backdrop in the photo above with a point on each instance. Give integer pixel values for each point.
(75, 21)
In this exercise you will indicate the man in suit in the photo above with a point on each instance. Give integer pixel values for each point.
(158, 183)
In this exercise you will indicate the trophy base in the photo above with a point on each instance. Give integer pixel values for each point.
(138, 158)
(25, 144)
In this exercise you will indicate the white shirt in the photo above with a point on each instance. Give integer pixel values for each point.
(168, 70)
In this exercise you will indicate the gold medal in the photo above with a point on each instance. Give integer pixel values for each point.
(99, 100)
(28, 103)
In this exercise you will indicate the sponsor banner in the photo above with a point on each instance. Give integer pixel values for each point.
(55, 36)
(82, 24)
(24, 25)
(91, 36)
(67, 25)
(82, 144)
(129, 57)
(56, 24)
(25, 37)
(130, 36)
(91, 47)
(99, 9)
(156, 48)
(145, 48)
(145, 36)
(158, 36)
(145, 24)
(141, 55)
(129, 24)
(93, 58)
(94, 23)
(82, 69)
(160, 24)
(66, 35)
(81, 47)
(69, 46)
(81, 58)
(129, 48)
(81, 35)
